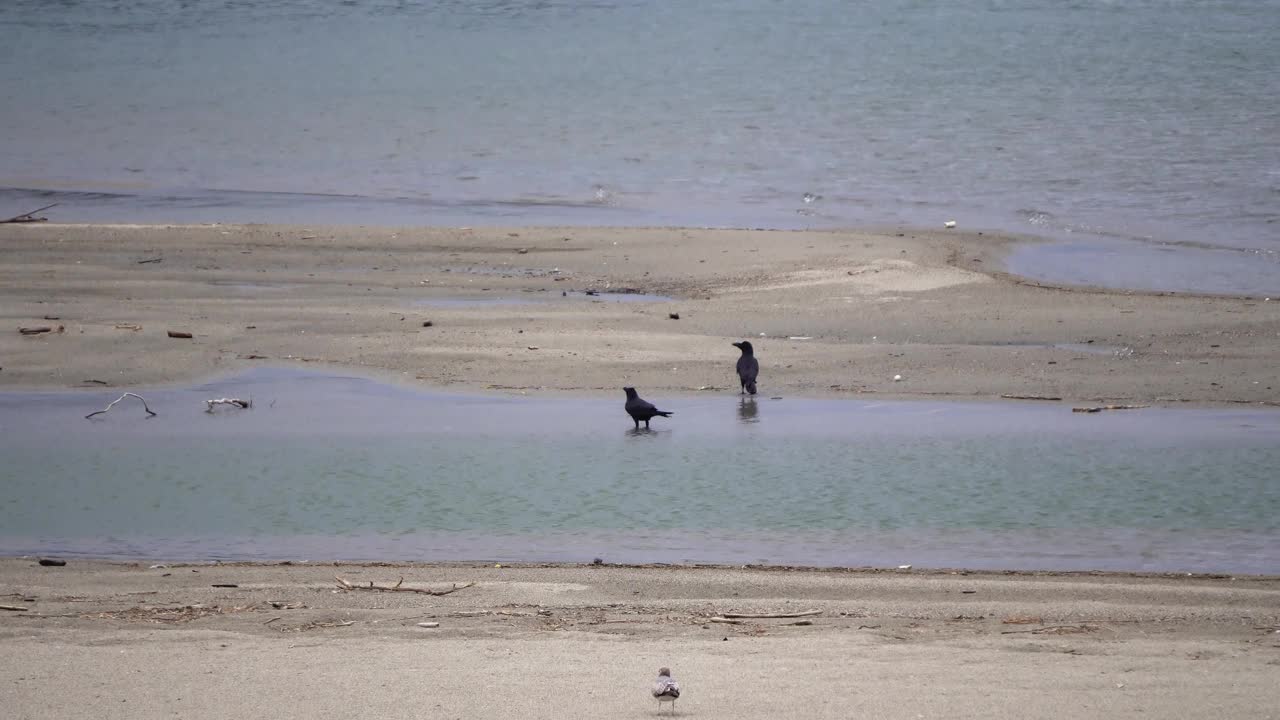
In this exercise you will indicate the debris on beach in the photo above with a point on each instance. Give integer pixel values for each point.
(150, 413)
(674, 316)
(1100, 408)
(52, 562)
(180, 334)
(398, 587)
(29, 217)
(40, 330)
(428, 624)
(234, 402)
(897, 378)
(949, 224)
(761, 616)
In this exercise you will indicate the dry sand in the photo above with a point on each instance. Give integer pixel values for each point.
(933, 308)
(105, 640)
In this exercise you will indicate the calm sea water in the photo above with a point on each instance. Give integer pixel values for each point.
(331, 467)
(1148, 126)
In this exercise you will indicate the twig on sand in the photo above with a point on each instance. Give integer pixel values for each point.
(113, 403)
(726, 620)
(40, 330)
(14, 608)
(1100, 408)
(29, 217)
(398, 587)
(1030, 397)
(315, 625)
(236, 402)
(759, 616)
(1054, 630)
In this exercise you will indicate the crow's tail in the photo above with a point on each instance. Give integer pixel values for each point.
(663, 413)
(751, 386)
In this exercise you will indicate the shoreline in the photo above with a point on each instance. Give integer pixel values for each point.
(99, 563)
(841, 313)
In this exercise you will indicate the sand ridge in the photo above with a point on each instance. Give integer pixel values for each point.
(536, 310)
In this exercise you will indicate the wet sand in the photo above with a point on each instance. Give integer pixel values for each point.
(830, 313)
(132, 641)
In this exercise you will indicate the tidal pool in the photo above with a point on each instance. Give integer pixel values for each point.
(328, 467)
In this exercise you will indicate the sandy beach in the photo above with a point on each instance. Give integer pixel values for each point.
(516, 310)
(832, 314)
(134, 641)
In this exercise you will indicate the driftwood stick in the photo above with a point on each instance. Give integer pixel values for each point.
(14, 608)
(26, 217)
(1053, 630)
(398, 587)
(760, 616)
(726, 620)
(113, 403)
(236, 402)
(1100, 408)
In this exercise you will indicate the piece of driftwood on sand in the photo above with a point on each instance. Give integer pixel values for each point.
(762, 616)
(398, 587)
(29, 217)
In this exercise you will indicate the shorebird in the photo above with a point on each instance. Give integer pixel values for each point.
(666, 689)
(748, 367)
(639, 409)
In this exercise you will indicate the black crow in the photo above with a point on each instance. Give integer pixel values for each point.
(666, 689)
(748, 367)
(639, 409)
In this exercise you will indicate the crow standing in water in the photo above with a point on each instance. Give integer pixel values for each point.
(639, 409)
(748, 367)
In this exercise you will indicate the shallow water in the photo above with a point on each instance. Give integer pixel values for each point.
(330, 467)
(1105, 124)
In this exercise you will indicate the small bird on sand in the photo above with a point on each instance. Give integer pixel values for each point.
(666, 689)
(639, 409)
(748, 367)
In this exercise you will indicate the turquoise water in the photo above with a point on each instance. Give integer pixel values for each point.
(345, 468)
(1122, 123)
